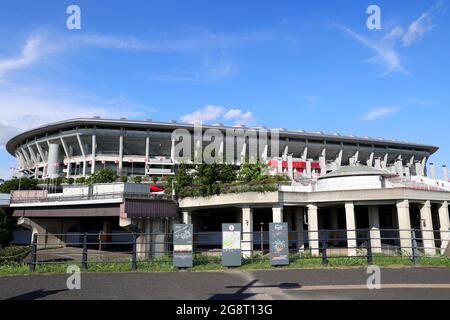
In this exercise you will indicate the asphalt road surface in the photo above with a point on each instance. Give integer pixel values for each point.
(402, 283)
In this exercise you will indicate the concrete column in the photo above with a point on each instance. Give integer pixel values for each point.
(399, 167)
(404, 224)
(445, 173)
(444, 225)
(147, 148)
(408, 173)
(53, 160)
(378, 163)
(172, 151)
(323, 166)
(277, 214)
(158, 244)
(280, 165)
(351, 228)
(374, 225)
(313, 229)
(187, 217)
(426, 224)
(247, 229)
(419, 170)
(140, 240)
(93, 153)
(120, 165)
(299, 218)
(308, 168)
(290, 167)
(432, 171)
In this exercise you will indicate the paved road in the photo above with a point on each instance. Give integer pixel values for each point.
(405, 283)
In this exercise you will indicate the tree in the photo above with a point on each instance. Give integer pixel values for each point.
(251, 172)
(16, 184)
(103, 176)
(6, 229)
(182, 179)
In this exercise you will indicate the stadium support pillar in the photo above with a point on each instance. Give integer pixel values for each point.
(374, 225)
(426, 225)
(147, 148)
(172, 151)
(313, 229)
(93, 153)
(351, 228)
(277, 214)
(432, 171)
(299, 218)
(120, 164)
(247, 232)
(404, 225)
(445, 173)
(444, 225)
(53, 160)
(323, 166)
(187, 217)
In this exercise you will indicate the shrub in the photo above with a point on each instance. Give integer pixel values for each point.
(70, 181)
(13, 253)
(103, 176)
(124, 179)
(154, 179)
(81, 180)
(137, 179)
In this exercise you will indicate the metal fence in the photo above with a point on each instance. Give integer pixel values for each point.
(157, 248)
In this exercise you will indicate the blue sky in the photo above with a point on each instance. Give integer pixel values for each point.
(310, 65)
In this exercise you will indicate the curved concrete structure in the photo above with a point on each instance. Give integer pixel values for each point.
(78, 147)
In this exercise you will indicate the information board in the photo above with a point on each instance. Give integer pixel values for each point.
(231, 244)
(182, 245)
(279, 244)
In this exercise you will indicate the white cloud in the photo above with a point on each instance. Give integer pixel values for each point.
(422, 25)
(376, 114)
(384, 53)
(214, 113)
(30, 54)
(232, 113)
(24, 108)
(416, 29)
(207, 113)
(393, 35)
(199, 41)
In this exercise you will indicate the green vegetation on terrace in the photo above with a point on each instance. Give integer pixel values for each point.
(100, 176)
(212, 179)
(204, 263)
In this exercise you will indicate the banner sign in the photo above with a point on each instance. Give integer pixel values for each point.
(182, 245)
(231, 244)
(279, 244)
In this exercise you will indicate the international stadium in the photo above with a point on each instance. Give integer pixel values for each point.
(338, 184)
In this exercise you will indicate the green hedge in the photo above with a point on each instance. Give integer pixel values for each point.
(14, 253)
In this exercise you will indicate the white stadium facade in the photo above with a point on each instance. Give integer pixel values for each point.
(337, 182)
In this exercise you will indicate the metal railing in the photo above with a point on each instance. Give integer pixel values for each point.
(88, 197)
(135, 249)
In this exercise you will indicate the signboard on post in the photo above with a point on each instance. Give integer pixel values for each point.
(231, 244)
(182, 245)
(279, 244)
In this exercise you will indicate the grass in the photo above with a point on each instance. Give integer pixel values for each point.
(203, 263)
